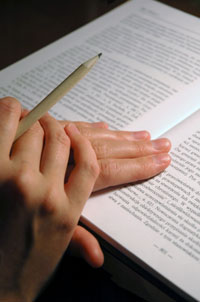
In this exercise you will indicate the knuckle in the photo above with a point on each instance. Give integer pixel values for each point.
(103, 125)
(37, 128)
(10, 105)
(100, 149)
(64, 123)
(59, 137)
(49, 205)
(24, 181)
(144, 170)
(85, 131)
(23, 174)
(91, 167)
(140, 148)
(109, 168)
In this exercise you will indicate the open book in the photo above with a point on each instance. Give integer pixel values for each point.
(148, 78)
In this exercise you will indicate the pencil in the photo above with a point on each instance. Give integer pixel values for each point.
(53, 97)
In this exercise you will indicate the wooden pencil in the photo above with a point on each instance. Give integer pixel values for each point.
(52, 98)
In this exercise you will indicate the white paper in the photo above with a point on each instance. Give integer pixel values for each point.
(148, 78)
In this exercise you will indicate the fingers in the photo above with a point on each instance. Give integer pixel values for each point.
(96, 131)
(80, 125)
(107, 148)
(122, 171)
(94, 134)
(82, 179)
(10, 111)
(83, 244)
(56, 150)
(28, 148)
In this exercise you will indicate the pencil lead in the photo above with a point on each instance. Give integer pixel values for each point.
(100, 54)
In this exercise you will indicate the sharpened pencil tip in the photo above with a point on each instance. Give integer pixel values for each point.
(100, 54)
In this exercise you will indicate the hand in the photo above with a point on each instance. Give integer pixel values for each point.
(84, 245)
(123, 157)
(38, 212)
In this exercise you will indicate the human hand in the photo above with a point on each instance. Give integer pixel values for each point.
(123, 157)
(38, 212)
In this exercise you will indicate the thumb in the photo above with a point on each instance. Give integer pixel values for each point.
(84, 245)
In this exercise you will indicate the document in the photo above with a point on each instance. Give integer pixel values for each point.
(147, 78)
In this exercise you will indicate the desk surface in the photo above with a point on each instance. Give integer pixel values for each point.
(26, 26)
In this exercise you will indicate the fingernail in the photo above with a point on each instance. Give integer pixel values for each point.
(99, 125)
(162, 158)
(160, 144)
(138, 135)
(72, 128)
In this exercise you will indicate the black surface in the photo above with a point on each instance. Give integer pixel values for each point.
(76, 281)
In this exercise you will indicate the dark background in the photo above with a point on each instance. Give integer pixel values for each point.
(28, 25)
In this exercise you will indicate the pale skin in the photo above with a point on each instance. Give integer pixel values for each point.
(46, 208)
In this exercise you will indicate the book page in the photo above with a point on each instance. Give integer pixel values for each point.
(148, 77)
(150, 59)
(158, 221)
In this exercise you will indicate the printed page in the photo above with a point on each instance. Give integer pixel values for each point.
(150, 60)
(158, 221)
